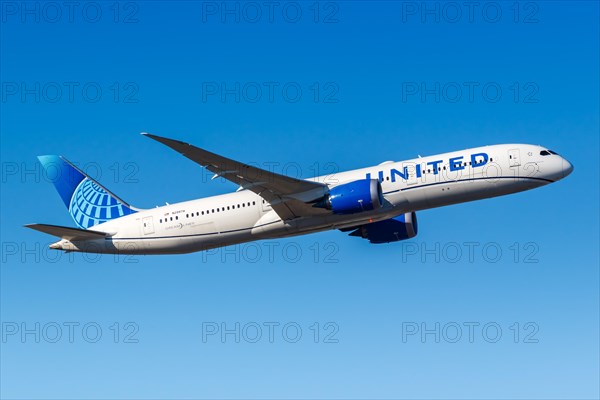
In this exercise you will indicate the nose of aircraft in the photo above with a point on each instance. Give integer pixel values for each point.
(567, 168)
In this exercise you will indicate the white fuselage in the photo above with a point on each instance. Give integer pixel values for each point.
(407, 186)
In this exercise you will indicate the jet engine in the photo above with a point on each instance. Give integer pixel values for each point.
(353, 197)
(394, 229)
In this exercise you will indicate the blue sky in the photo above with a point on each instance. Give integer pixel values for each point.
(306, 87)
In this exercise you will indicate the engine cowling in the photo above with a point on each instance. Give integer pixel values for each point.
(354, 197)
(394, 229)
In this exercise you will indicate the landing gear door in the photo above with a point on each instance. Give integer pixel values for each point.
(147, 226)
(514, 158)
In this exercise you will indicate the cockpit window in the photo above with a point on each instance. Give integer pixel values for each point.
(553, 152)
(544, 153)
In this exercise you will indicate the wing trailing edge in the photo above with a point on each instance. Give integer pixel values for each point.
(289, 197)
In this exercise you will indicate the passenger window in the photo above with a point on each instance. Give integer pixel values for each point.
(253, 203)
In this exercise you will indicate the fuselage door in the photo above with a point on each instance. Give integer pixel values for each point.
(266, 206)
(411, 169)
(147, 225)
(514, 158)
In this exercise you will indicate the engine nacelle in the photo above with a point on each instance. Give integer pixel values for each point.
(395, 229)
(353, 197)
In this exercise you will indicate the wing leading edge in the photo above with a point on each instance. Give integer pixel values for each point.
(288, 196)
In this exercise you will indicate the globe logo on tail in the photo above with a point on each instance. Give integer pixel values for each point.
(92, 205)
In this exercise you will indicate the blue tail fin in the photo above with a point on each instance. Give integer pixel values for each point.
(89, 203)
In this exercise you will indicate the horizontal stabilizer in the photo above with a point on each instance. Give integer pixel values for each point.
(64, 232)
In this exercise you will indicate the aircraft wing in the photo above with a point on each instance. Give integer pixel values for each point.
(65, 232)
(288, 196)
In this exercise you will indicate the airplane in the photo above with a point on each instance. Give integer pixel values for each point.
(377, 203)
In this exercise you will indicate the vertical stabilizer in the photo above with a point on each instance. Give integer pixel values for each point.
(88, 202)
